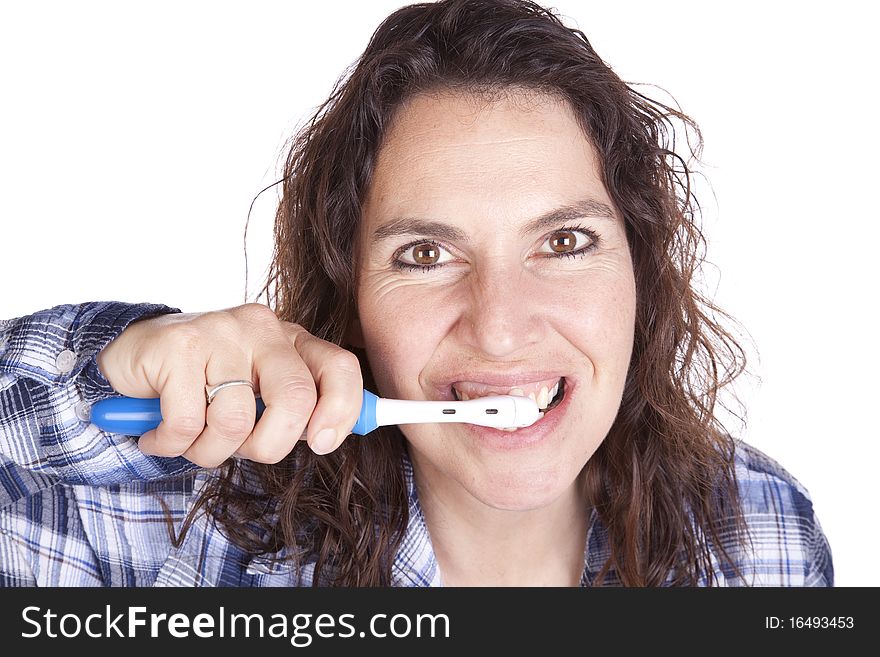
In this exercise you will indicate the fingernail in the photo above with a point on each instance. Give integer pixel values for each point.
(324, 441)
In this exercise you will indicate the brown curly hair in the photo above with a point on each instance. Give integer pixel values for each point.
(663, 481)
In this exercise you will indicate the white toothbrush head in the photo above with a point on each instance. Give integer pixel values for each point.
(500, 411)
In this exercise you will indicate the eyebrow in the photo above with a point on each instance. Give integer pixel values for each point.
(412, 226)
(443, 231)
(567, 213)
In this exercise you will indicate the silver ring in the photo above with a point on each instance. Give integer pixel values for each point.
(211, 391)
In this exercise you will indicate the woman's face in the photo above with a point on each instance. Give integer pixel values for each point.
(492, 261)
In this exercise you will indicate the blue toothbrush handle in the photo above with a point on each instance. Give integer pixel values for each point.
(134, 417)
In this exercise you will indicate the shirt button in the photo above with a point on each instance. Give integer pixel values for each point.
(65, 361)
(83, 411)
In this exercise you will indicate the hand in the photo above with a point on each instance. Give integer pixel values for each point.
(303, 380)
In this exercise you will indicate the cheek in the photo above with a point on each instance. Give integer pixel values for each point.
(402, 326)
(599, 317)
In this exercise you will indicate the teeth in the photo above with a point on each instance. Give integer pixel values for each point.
(509, 429)
(543, 398)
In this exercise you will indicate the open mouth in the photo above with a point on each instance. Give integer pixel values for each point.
(548, 396)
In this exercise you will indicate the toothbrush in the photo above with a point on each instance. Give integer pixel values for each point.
(134, 417)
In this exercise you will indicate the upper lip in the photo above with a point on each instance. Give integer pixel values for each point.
(501, 381)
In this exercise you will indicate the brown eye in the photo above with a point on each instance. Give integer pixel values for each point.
(563, 241)
(422, 256)
(425, 254)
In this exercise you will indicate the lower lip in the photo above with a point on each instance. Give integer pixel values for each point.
(527, 436)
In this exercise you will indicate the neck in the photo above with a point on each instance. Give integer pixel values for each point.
(476, 545)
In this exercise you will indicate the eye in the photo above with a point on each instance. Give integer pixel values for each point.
(422, 255)
(569, 242)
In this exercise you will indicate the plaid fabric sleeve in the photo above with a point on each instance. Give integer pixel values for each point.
(48, 372)
(787, 546)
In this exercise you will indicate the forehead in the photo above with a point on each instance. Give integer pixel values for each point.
(449, 115)
(518, 142)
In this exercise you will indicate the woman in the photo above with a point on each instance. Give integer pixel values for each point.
(481, 207)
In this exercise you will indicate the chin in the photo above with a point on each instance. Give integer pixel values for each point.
(520, 490)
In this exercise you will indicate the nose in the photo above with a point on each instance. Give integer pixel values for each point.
(503, 313)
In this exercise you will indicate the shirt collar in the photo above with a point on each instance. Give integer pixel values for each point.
(415, 564)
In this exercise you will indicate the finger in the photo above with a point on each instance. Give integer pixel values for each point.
(230, 417)
(146, 441)
(182, 405)
(288, 391)
(337, 375)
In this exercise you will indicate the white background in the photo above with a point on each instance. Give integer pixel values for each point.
(133, 137)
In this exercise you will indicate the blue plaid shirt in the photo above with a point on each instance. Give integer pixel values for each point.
(82, 507)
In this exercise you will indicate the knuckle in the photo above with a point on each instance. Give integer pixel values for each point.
(293, 328)
(271, 454)
(346, 362)
(297, 335)
(184, 338)
(184, 427)
(221, 322)
(257, 313)
(297, 394)
(231, 422)
(340, 409)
